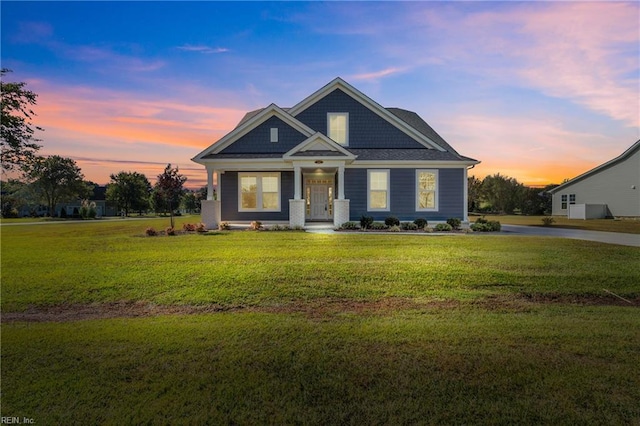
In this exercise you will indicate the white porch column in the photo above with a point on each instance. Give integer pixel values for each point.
(465, 208)
(340, 212)
(341, 182)
(297, 183)
(210, 213)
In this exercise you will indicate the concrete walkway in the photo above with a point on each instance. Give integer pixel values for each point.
(577, 234)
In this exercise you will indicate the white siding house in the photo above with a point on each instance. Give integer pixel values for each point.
(614, 185)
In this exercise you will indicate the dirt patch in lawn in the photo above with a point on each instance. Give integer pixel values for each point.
(316, 309)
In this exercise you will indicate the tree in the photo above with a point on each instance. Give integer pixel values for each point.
(168, 188)
(473, 193)
(504, 194)
(55, 179)
(18, 145)
(190, 202)
(130, 191)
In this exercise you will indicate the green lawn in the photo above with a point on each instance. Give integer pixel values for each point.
(317, 329)
(630, 226)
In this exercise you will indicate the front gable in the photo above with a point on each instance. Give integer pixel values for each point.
(370, 125)
(317, 147)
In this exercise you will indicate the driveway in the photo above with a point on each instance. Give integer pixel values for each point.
(577, 234)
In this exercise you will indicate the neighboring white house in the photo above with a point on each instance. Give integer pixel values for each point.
(609, 190)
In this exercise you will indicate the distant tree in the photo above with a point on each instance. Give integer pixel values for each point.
(474, 192)
(504, 194)
(18, 146)
(168, 189)
(130, 191)
(54, 179)
(190, 202)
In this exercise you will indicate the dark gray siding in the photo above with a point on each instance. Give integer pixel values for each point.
(366, 129)
(258, 139)
(403, 195)
(229, 204)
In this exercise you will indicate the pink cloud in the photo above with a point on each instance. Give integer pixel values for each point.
(377, 74)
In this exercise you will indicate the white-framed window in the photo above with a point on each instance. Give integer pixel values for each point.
(274, 134)
(259, 192)
(563, 199)
(426, 190)
(378, 184)
(572, 198)
(338, 127)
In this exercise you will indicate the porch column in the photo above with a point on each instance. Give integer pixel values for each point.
(341, 182)
(297, 183)
(465, 206)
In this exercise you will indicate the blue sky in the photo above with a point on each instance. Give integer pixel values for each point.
(540, 91)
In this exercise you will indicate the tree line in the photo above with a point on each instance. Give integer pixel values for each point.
(503, 194)
(54, 179)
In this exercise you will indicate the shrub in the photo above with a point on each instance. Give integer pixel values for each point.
(151, 232)
(350, 226)
(494, 225)
(443, 227)
(279, 228)
(189, 227)
(377, 226)
(481, 220)
(394, 228)
(409, 226)
(201, 227)
(365, 222)
(224, 226)
(421, 222)
(170, 231)
(486, 226)
(454, 222)
(548, 221)
(255, 225)
(392, 221)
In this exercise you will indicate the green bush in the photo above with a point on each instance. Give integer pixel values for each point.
(409, 226)
(394, 228)
(548, 221)
(392, 221)
(483, 225)
(365, 221)
(378, 226)
(421, 222)
(454, 222)
(443, 227)
(350, 226)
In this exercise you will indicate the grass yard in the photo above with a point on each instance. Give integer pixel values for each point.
(630, 226)
(102, 324)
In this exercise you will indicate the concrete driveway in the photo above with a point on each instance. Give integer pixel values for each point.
(577, 234)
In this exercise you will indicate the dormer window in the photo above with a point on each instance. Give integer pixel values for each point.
(338, 127)
(274, 134)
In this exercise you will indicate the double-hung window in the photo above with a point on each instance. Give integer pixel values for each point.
(426, 190)
(259, 192)
(563, 199)
(338, 127)
(378, 190)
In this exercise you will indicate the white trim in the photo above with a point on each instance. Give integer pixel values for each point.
(436, 195)
(375, 107)
(259, 191)
(318, 139)
(388, 173)
(346, 126)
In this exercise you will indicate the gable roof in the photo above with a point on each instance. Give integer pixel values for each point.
(339, 83)
(248, 123)
(628, 153)
(318, 145)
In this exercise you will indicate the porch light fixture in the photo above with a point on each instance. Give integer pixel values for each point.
(319, 161)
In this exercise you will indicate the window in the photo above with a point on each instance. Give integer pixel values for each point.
(572, 198)
(426, 190)
(274, 134)
(338, 127)
(378, 194)
(259, 192)
(563, 198)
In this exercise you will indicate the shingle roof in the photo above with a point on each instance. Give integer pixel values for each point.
(415, 121)
(406, 155)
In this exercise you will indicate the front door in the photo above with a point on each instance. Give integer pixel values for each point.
(321, 202)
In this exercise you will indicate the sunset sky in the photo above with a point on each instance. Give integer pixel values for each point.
(539, 91)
